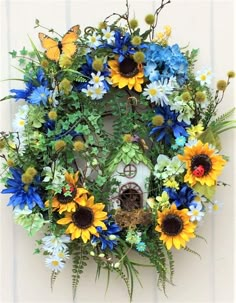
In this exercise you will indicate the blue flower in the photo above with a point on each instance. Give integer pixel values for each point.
(170, 127)
(165, 62)
(38, 80)
(107, 238)
(122, 46)
(22, 195)
(182, 198)
(39, 95)
(141, 246)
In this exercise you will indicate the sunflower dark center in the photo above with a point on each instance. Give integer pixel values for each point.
(65, 198)
(172, 225)
(83, 217)
(201, 165)
(128, 68)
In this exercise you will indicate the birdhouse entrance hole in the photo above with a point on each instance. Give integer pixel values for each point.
(130, 196)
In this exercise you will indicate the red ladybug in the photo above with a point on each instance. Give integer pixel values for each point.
(199, 171)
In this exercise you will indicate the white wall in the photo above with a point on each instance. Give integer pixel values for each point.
(207, 24)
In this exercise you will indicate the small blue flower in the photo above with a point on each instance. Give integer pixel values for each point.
(180, 141)
(141, 246)
(107, 238)
(39, 95)
(22, 195)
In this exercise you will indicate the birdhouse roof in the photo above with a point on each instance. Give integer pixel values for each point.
(128, 153)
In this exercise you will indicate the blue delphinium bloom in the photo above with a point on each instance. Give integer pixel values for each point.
(107, 238)
(122, 45)
(32, 85)
(165, 62)
(183, 198)
(22, 195)
(170, 126)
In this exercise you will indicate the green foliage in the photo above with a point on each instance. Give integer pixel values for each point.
(80, 259)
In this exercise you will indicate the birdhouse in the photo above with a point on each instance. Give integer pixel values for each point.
(131, 168)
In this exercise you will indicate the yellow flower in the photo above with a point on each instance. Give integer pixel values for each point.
(171, 183)
(203, 165)
(84, 220)
(175, 227)
(195, 131)
(66, 200)
(126, 73)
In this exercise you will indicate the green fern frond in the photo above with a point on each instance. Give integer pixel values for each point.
(192, 251)
(53, 279)
(127, 282)
(201, 237)
(225, 116)
(79, 262)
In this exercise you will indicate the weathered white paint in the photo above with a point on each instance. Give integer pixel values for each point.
(204, 24)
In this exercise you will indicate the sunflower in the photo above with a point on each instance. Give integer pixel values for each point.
(65, 201)
(203, 164)
(175, 227)
(126, 73)
(87, 216)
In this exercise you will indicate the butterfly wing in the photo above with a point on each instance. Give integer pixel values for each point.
(69, 41)
(52, 50)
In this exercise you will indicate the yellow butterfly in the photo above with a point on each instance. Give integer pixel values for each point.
(66, 46)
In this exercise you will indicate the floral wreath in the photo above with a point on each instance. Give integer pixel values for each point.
(115, 147)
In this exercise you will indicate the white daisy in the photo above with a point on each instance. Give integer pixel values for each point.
(98, 92)
(63, 254)
(88, 91)
(204, 76)
(54, 244)
(214, 206)
(195, 212)
(108, 35)
(157, 91)
(54, 263)
(97, 79)
(94, 40)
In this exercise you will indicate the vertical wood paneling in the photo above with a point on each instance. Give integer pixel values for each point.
(207, 25)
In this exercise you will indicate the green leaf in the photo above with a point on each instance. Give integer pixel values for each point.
(207, 191)
(209, 137)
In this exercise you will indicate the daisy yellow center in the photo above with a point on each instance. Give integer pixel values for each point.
(128, 68)
(96, 79)
(195, 212)
(93, 39)
(203, 77)
(21, 122)
(98, 90)
(152, 92)
(55, 263)
(172, 225)
(83, 217)
(215, 207)
(108, 35)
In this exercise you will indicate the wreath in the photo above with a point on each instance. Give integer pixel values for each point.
(115, 147)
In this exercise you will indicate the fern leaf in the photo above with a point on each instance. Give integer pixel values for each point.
(53, 279)
(79, 262)
(192, 251)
